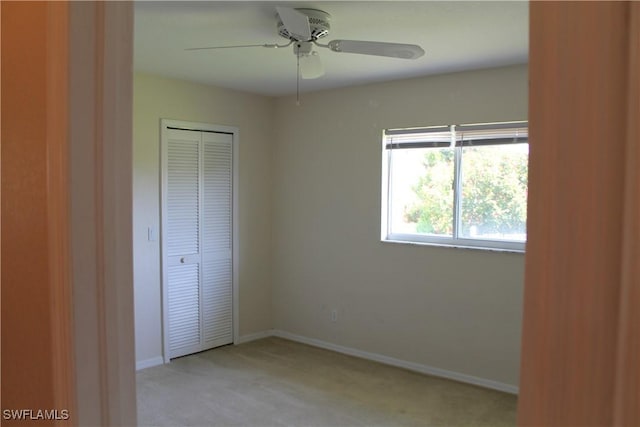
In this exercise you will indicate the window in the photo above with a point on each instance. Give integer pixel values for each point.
(463, 185)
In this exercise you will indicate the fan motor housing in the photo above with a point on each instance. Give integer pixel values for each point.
(318, 23)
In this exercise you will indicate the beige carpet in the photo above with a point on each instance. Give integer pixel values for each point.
(275, 382)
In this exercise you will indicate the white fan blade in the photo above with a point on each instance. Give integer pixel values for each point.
(267, 45)
(232, 47)
(295, 22)
(394, 50)
(311, 66)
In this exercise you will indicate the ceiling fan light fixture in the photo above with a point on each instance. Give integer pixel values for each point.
(311, 66)
(309, 60)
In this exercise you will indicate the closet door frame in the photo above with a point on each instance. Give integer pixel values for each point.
(165, 124)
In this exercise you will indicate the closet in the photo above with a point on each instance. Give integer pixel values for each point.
(197, 236)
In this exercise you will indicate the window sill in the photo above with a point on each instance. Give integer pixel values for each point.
(455, 246)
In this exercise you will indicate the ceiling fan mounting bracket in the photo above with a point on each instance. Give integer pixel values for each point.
(318, 23)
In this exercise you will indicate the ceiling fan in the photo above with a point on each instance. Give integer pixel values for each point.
(304, 27)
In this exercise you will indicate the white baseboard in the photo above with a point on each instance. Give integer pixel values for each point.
(159, 360)
(148, 363)
(255, 336)
(417, 367)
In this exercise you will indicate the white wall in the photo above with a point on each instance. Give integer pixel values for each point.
(156, 98)
(453, 309)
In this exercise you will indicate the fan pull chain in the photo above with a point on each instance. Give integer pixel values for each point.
(298, 80)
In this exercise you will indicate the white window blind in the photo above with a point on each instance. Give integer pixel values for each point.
(458, 135)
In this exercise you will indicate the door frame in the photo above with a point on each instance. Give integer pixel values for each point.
(235, 253)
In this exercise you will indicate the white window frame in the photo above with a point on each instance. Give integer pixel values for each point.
(454, 240)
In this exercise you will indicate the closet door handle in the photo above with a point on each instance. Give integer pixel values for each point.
(182, 260)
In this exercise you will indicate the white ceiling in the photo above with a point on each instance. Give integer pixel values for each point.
(456, 36)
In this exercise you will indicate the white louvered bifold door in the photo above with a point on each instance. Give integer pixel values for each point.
(217, 290)
(183, 241)
(198, 195)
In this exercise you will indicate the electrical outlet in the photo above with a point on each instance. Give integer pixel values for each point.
(334, 315)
